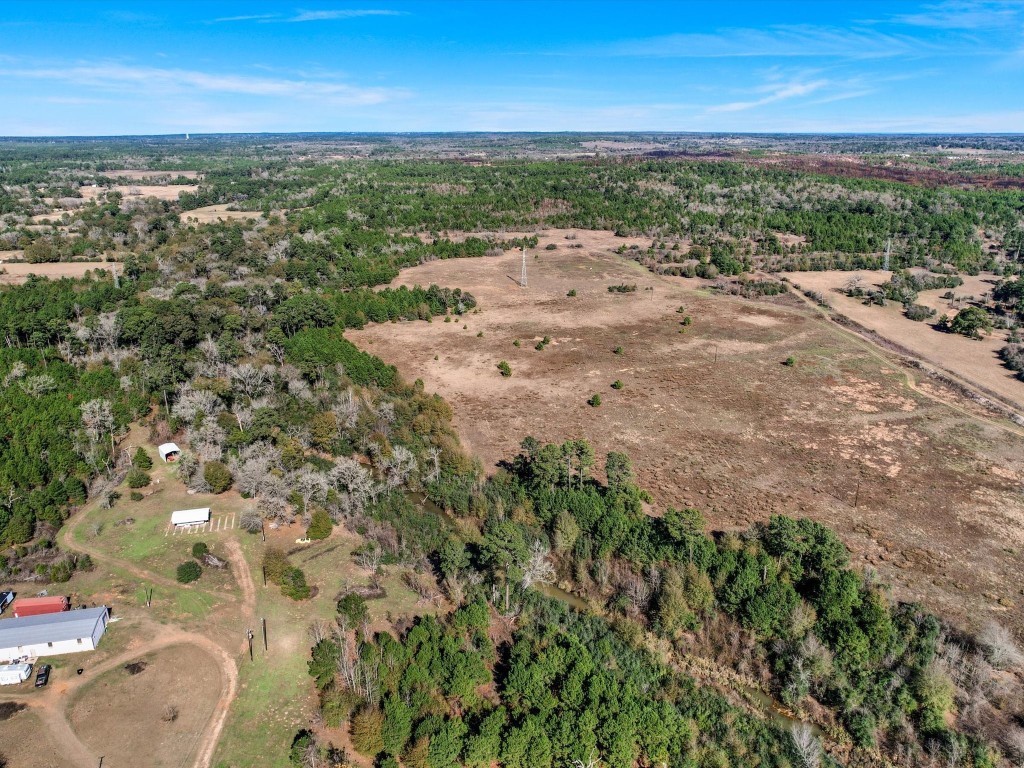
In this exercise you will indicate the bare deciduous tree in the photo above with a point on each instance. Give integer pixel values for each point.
(1000, 647)
(538, 568)
(806, 745)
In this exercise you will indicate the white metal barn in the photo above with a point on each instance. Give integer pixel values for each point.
(186, 517)
(12, 674)
(52, 634)
(169, 451)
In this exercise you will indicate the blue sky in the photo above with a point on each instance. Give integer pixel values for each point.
(81, 68)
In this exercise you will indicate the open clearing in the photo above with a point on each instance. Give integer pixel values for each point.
(159, 191)
(17, 273)
(113, 711)
(976, 361)
(712, 418)
(212, 213)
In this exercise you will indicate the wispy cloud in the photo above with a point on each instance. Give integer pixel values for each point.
(776, 41)
(301, 15)
(961, 14)
(341, 14)
(775, 92)
(253, 17)
(116, 76)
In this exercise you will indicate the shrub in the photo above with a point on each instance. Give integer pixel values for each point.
(572, 293)
(61, 570)
(789, 361)
(294, 585)
(217, 476)
(622, 288)
(353, 608)
(320, 525)
(550, 247)
(275, 563)
(138, 478)
(84, 563)
(516, 343)
(505, 369)
(136, 496)
(918, 312)
(188, 572)
(594, 401)
(617, 384)
(141, 459)
(199, 549)
(619, 351)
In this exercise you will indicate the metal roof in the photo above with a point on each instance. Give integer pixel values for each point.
(50, 627)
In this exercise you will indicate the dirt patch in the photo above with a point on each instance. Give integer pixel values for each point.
(126, 717)
(713, 419)
(159, 191)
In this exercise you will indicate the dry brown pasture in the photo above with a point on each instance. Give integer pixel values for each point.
(927, 493)
(210, 214)
(17, 273)
(975, 361)
(159, 191)
(111, 713)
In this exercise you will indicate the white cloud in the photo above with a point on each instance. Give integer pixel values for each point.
(340, 14)
(775, 92)
(149, 80)
(777, 41)
(959, 14)
(253, 17)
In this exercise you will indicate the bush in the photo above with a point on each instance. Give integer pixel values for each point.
(918, 312)
(294, 585)
(136, 496)
(353, 608)
(188, 572)
(789, 361)
(199, 549)
(141, 459)
(572, 293)
(217, 476)
(275, 563)
(320, 525)
(622, 288)
(84, 563)
(505, 369)
(619, 351)
(617, 384)
(594, 401)
(550, 247)
(516, 343)
(138, 478)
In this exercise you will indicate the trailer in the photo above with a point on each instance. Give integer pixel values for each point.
(12, 674)
(37, 606)
(185, 518)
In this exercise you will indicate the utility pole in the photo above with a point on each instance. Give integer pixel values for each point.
(522, 277)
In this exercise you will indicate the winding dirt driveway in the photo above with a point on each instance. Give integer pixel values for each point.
(51, 706)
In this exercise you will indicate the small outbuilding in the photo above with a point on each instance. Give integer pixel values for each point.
(52, 634)
(12, 674)
(169, 452)
(185, 518)
(37, 606)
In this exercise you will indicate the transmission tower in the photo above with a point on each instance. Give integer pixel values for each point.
(888, 252)
(522, 277)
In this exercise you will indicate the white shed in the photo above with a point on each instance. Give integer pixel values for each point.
(51, 634)
(169, 452)
(12, 674)
(187, 517)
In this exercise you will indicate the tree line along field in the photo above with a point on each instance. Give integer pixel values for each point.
(637, 410)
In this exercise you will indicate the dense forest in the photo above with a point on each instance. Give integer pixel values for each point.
(230, 337)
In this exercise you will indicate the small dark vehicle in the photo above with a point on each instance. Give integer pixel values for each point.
(43, 675)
